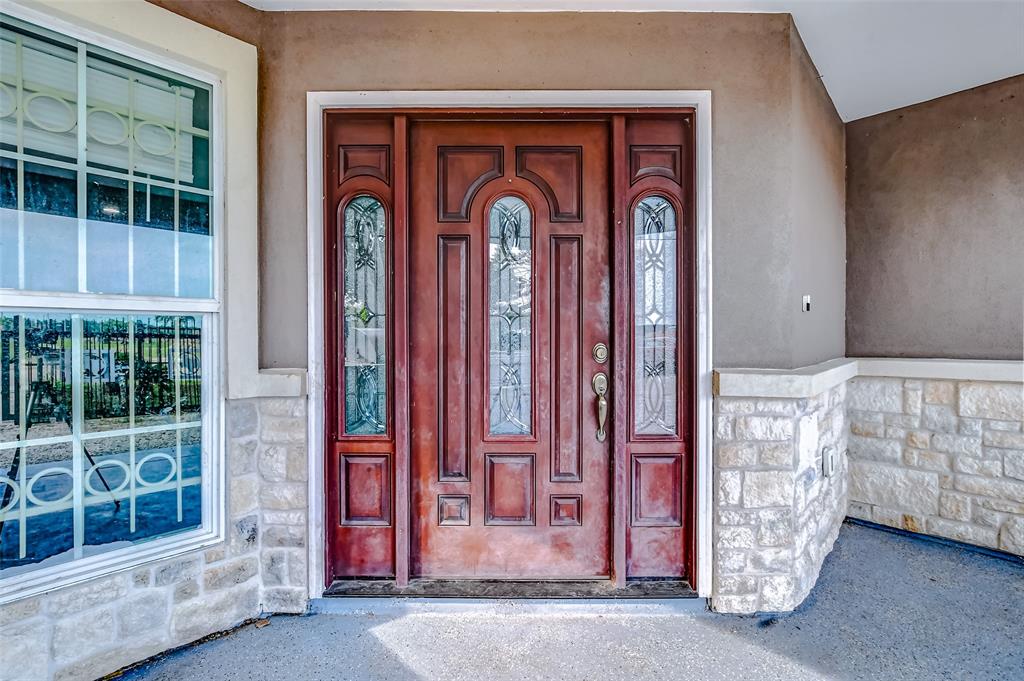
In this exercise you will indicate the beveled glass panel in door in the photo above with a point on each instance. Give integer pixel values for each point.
(656, 313)
(510, 270)
(365, 317)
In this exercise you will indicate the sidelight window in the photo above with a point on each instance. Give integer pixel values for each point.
(365, 291)
(656, 314)
(510, 271)
(109, 311)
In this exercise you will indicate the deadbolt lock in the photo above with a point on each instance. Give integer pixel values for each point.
(600, 353)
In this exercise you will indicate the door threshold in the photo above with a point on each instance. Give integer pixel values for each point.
(505, 589)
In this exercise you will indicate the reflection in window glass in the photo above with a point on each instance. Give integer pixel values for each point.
(142, 177)
(656, 312)
(138, 450)
(510, 269)
(365, 330)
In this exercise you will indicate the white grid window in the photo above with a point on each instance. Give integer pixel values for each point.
(108, 304)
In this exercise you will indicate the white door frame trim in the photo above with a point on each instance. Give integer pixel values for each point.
(316, 102)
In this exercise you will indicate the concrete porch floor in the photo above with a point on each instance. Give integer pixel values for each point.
(885, 607)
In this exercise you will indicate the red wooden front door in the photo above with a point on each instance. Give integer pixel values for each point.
(509, 344)
(509, 279)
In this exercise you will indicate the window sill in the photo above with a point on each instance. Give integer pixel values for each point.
(62, 575)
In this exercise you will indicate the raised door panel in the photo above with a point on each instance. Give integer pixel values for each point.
(453, 354)
(510, 492)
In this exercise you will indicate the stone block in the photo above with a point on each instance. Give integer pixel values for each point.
(142, 613)
(242, 420)
(293, 407)
(911, 401)
(956, 444)
(873, 449)
(142, 577)
(284, 600)
(272, 461)
(729, 405)
(1013, 464)
(723, 428)
(1003, 439)
(894, 487)
(242, 456)
(730, 487)
(939, 418)
(77, 636)
(867, 428)
(737, 605)
(230, 574)
(244, 491)
(735, 538)
(998, 488)
(25, 651)
(284, 517)
(955, 506)
(779, 407)
(199, 617)
(778, 593)
(731, 561)
(297, 466)
(297, 569)
(767, 428)
(776, 454)
(736, 585)
(926, 460)
(767, 488)
(274, 567)
(736, 454)
(243, 535)
(1003, 401)
(965, 532)
(875, 394)
(283, 496)
(775, 533)
(101, 663)
(185, 590)
(284, 535)
(990, 467)
(940, 392)
(971, 426)
(921, 439)
(19, 611)
(778, 560)
(89, 595)
(1011, 536)
(282, 430)
(856, 509)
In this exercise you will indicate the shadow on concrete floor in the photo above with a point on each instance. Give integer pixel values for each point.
(885, 607)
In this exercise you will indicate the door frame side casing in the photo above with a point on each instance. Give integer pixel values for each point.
(317, 102)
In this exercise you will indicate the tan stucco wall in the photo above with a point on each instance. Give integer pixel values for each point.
(747, 60)
(935, 233)
(818, 193)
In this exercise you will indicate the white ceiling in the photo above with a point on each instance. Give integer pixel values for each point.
(873, 55)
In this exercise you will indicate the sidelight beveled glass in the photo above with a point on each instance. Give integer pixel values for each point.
(365, 330)
(510, 271)
(656, 313)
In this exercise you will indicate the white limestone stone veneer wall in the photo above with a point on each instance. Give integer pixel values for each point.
(942, 457)
(776, 515)
(94, 628)
(934, 446)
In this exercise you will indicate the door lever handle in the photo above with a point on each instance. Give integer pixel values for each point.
(600, 385)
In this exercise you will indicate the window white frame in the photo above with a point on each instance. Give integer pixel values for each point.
(316, 102)
(211, 530)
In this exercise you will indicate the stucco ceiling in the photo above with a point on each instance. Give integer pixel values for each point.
(873, 55)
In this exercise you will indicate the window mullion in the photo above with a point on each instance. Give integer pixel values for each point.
(131, 423)
(83, 282)
(77, 423)
(20, 125)
(177, 409)
(20, 358)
